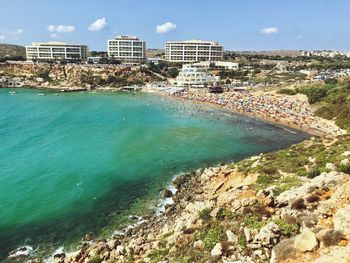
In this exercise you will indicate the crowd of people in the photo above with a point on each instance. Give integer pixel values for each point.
(290, 111)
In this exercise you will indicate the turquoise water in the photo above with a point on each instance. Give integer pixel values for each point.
(71, 163)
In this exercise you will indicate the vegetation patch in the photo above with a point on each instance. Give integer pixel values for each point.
(287, 229)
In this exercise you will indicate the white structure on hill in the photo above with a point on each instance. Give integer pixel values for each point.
(219, 64)
(128, 49)
(194, 75)
(193, 51)
(56, 51)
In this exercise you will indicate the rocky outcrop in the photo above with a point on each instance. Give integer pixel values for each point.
(223, 214)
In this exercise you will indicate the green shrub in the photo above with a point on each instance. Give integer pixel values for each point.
(242, 241)
(345, 168)
(205, 214)
(44, 74)
(158, 255)
(287, 91)
(314, 173)
(96, 259)
(287, 229)
(215, 234)
(224, 214)
(253, 222)
(313, 93)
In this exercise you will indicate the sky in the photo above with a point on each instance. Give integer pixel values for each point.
(236, 24)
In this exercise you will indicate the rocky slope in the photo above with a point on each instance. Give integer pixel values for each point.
(73, 75)
(287, 206)
(8, 50)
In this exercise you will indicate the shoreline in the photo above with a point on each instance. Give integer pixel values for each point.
(269, 119)
(192, 177)
(206, 99)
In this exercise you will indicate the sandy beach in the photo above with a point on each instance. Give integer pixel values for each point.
(290, 111)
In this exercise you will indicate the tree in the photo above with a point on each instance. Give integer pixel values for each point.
(173, 72)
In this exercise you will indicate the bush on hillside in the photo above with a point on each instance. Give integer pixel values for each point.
(287, 91)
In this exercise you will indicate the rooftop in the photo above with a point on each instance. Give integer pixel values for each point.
(52, 43)
(196, 41)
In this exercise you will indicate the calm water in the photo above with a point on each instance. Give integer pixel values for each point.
(72, 163)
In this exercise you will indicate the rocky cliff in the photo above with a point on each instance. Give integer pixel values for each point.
(73, 75)
(287, 206)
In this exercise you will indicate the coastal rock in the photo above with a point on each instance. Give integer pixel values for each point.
(231, 237)
(330, 167)
(167, 193)
(59, 255)
(345, 162)
(341, 220)
(283, 250)
(268, 235)
(121, 250)
(338, 255)
(23, 251)
(306, 241)
(199, 244)
(217, 250)
(346, 153)
(236, 204)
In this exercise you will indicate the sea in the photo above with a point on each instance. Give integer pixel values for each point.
(81, 162)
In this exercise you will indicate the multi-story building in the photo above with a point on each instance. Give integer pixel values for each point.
(128, 49)
(194, 75)
(193, 51)
(55, 51)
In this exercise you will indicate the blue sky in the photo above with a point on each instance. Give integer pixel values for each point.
(237, 24)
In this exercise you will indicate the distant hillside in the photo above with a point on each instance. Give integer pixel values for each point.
(283, 53)
(152, 52)
(7, 50)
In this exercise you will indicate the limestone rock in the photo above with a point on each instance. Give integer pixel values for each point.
(121, 250)
(217, 250)
(306, 241)
(341, 220)
(199, 244)
(283, 250)
(231, 237)
(345, 162)
(268, 235)
(330, 167)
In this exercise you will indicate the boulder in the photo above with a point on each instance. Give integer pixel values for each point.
(344, 162)
(231, 237)
(217, 250)
(167, 193)
(341, 220)
(121, 250)
(283, 250)
(268, 235)
(346, 153)
(330, 167)
(306, 241)
(199, 244)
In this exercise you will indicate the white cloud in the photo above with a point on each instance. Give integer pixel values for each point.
(61, 28)
(51, 28)
(98, 25)
(11, 34)
(269, 30)
(54, 35)
(165, 28)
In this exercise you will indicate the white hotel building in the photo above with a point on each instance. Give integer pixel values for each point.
(194, 75)
(193, 50)
(128, 49)
(55, 51)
